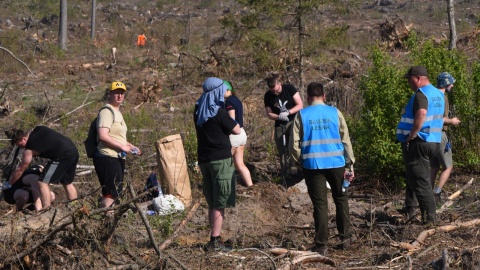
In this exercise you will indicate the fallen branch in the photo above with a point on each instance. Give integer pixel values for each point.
(174, 235)
(145, 220)
(84, 172)
(18, 60)
(312, 258)
(184, 267)
(67, 221)
(301, 257)
(257, 250)
(450, 201)
(424, 234)
(462, 189)
(60, 118)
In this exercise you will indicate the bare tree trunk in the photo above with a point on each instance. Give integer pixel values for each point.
(62, 31)
(92, 22)
(451, 22)
(301, 29)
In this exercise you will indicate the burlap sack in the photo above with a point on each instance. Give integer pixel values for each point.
(172, 165)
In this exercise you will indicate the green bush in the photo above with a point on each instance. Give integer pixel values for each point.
(385, 93)
(463, 99)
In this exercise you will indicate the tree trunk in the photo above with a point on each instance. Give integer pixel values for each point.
(300, 47)
(92, 22)
(451, 22)
(62, 31)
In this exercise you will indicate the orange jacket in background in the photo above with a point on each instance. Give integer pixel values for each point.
(141, 39)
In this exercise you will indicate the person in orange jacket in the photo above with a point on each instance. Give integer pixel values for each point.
(141, 39)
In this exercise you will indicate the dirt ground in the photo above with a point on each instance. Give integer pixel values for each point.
(264, 218)
(271, 217)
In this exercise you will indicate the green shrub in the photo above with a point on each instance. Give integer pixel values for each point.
(385, 93)
(463, 99)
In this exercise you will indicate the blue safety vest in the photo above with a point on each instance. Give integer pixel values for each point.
(431, 130)
(322, 146)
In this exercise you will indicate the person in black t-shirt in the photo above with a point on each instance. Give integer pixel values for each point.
(282, 102)
(60, 150)
(213, 126)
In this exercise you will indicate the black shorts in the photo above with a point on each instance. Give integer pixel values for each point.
(8, 194)
(110, 173)
(60, 172)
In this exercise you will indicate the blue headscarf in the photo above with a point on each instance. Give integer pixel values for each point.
(211, 100)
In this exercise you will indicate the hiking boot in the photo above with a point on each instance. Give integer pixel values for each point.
(348, 242)
(218, 246)
(409, 211)
(322, 250)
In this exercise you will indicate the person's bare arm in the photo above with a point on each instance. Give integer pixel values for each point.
(270, 114)
(298, 104)
(110, 142)
(22, 166)
(232, 114)
(451, 121)
(236, 130)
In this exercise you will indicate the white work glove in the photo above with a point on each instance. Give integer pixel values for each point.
(283, 116)
(6, 185)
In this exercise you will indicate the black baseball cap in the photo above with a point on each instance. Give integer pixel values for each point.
(416, 71)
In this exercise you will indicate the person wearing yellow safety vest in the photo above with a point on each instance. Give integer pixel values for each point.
(321, 144)
(420, 133)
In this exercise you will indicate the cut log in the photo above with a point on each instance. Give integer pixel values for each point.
(450, 201)
(301, 257)
(447, 228)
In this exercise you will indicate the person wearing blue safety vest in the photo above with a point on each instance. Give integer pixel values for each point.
(420, 133)
(321, 144)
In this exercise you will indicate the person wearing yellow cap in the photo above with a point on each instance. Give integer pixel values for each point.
(109, 159)
(234, 107)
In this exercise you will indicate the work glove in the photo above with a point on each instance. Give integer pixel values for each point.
(283, 116)
(6, 185)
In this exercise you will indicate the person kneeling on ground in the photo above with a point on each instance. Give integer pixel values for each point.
(22, 192)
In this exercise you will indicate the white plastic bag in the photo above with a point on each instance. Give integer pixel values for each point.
(167, 204)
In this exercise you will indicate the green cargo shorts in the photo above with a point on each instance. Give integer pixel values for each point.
(219, 183)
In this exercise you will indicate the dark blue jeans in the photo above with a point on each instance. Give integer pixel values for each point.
(317, 189)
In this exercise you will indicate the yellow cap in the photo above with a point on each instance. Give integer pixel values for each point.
(118, 85)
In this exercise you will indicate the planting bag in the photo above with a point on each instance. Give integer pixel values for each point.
(167, 204)
(172, 165)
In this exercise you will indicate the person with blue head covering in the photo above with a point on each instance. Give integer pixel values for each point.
(213, 98)
(443, 159)
(213, 126)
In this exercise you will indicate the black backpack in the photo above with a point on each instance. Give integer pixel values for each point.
(91, 142)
